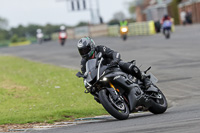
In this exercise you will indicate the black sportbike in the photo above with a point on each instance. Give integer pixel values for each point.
(120, 93)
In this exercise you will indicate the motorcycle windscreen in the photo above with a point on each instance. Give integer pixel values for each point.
(91, 70)
(102, 69)
(153, 78)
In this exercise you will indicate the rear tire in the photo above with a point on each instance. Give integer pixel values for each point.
(111, 109)
(159, 106)
(167, 34)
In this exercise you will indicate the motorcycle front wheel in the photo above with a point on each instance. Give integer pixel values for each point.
(124, 37)
(62, 42)
(118, 110)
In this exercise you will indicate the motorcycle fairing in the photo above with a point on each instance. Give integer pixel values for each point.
(152, 88)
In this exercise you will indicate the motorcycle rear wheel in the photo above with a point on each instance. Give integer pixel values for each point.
(167, 34)
(105, 99)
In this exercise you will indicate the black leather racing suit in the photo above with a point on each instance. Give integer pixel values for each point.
(110, 57)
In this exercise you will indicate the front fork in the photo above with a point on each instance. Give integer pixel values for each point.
(114, 93)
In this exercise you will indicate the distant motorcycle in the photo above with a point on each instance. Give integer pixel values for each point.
(62, 38)
(124, 32)
(167, 28)
(39, 36)
(120, 93)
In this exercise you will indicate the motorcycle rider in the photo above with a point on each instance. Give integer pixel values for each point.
(165, 18)
(62, 33)
(39, 36)
(123, 23)
(123, 29)
(88, 50)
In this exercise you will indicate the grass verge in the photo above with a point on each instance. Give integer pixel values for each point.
(20, 43)
(32, 92)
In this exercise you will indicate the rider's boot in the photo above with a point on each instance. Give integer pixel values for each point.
(132, 69)
(146, 81)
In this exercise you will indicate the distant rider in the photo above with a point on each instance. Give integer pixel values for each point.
(62, 33)
(123, 23)
(166, 23)
(165, 17)
(39, 36)
(88, 50)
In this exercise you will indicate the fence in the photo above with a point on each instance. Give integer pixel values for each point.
(81, 31)
(138, 28)
(142, 28)
(113, 30)
(98, 30)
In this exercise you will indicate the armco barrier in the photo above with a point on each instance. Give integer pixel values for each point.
(173, 27)
(70, 33)
(54, 36)
(113, 30)
(151, 28)
(81, 31)
(138, 28)
(98, 30)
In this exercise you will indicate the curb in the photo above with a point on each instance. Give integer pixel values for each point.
(77, 121)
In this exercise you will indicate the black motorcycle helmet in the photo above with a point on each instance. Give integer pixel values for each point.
(86, 47)
(166, 16)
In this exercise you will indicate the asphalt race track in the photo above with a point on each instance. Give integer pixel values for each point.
(175, 62)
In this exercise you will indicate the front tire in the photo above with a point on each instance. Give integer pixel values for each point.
(124, 37)
(159, 105)
(62, 42)
(106, 101)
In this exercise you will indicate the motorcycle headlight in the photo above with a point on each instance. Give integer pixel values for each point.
(124, 29)
(105, 79)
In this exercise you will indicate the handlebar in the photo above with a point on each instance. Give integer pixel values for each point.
(147, 70)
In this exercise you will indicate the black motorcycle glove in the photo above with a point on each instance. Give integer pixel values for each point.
(113, 63)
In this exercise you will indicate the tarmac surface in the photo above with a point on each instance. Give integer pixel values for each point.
(175, 62)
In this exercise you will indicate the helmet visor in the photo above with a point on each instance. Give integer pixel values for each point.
(84, 51)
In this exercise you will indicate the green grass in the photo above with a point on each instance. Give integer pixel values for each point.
(32, 92)
(20, 43)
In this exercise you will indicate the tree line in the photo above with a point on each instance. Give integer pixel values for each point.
(21, 32)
